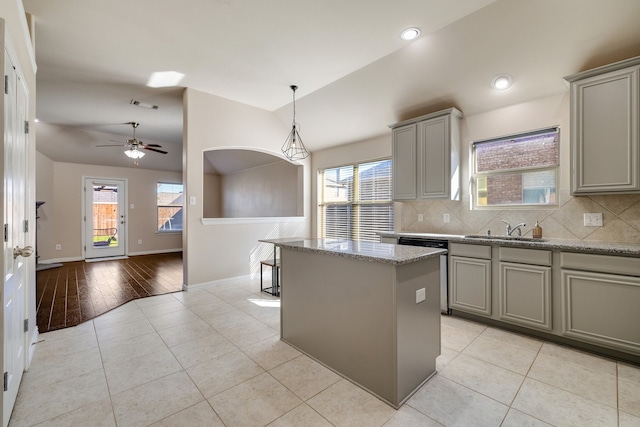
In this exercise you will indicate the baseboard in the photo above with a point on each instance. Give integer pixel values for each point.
(55, 260)
(72, 259)
(32, 346)
(162, 251)
(226, 281)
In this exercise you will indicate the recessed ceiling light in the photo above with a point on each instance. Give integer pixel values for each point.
(165, 79)
(502, 81)
(410, 33)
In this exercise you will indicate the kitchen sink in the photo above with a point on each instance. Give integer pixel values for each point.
(507, 238)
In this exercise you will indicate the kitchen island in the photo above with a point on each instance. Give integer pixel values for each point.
(369, 311)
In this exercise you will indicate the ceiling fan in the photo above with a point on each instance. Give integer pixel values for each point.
(134, 145)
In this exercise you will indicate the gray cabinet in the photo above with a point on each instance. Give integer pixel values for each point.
(470, 278)
(525, 287)
(426, 156)
(601, 300)
(605, 109)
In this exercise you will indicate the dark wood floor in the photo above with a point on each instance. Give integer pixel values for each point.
(79, 291)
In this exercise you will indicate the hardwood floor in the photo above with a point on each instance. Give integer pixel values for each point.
(79, 291)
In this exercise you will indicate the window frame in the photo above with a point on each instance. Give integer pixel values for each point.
(475, 175)
(354, 203)
(159, 206)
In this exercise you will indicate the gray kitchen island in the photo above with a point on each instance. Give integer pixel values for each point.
(368, 311)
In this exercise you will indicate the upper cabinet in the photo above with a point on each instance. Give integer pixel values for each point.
(605, 144)
(426, 156)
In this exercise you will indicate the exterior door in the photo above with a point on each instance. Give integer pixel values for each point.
(16, 236)
(105, 219)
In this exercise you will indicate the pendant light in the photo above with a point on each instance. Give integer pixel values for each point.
(293, 148)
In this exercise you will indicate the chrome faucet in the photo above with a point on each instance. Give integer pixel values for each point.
(518, 227)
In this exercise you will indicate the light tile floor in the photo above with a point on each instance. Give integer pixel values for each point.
(212, 357)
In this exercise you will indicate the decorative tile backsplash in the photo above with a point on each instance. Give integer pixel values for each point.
(620, 213)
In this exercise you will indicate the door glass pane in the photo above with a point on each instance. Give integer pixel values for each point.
(105, 215)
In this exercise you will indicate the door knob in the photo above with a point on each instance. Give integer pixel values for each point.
(25, 252)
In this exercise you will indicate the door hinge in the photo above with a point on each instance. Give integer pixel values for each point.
(6, 84)
(26, 226)
(6, 232)
(26, 126)
(6, 381)
(26, 325)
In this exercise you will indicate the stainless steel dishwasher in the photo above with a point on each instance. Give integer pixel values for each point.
(444, 281)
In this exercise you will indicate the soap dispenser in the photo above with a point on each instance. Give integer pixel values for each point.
(537, 231)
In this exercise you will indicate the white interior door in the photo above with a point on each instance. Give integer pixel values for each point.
(15, 235)
(105, 219)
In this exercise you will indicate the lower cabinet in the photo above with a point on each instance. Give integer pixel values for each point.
(470, 278)
(601, 300)
(525, 295)
(602, 309)
(524, 287)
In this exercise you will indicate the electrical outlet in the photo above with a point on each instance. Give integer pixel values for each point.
(58, 247)
(421, 295)
(447, 217)
(139, 241)
(420, 217)
(132, 206)
(593, 219)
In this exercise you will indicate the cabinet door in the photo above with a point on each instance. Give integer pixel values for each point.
(602, 308)
(434, 161)
(404, 163)
(470, 285)
(525, 295)
(604, 133)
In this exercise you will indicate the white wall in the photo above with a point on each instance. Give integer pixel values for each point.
(60, 186)
(216, 249)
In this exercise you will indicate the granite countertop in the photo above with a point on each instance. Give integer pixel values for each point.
(605, 248)
(366, 251)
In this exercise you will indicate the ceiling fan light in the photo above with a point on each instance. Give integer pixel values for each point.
(134, 153)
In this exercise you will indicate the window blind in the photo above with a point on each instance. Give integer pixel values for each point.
(355, 201)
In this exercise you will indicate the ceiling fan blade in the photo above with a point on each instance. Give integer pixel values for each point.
(114, 140)
(111, 145)
(153, 145)
(156, 150)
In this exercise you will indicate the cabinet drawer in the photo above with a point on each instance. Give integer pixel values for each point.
(602, 263)
(525, 256)
(472, 251)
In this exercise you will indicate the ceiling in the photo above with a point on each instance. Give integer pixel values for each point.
(355, 74)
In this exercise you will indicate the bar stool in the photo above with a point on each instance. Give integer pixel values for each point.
(274, 263)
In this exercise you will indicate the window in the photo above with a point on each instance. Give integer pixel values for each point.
(355, 201)
(519, 170)
(170, 202)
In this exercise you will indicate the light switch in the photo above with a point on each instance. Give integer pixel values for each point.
(192, 200)
(131, 206)
(421, 294)
(420, 217)
(447, 217)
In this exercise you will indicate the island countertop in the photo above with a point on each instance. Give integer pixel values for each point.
(366, 251)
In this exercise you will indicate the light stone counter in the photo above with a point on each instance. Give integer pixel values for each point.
(365, 251)
(605, 248)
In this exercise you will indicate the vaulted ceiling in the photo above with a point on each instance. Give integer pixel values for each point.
(355, 74)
